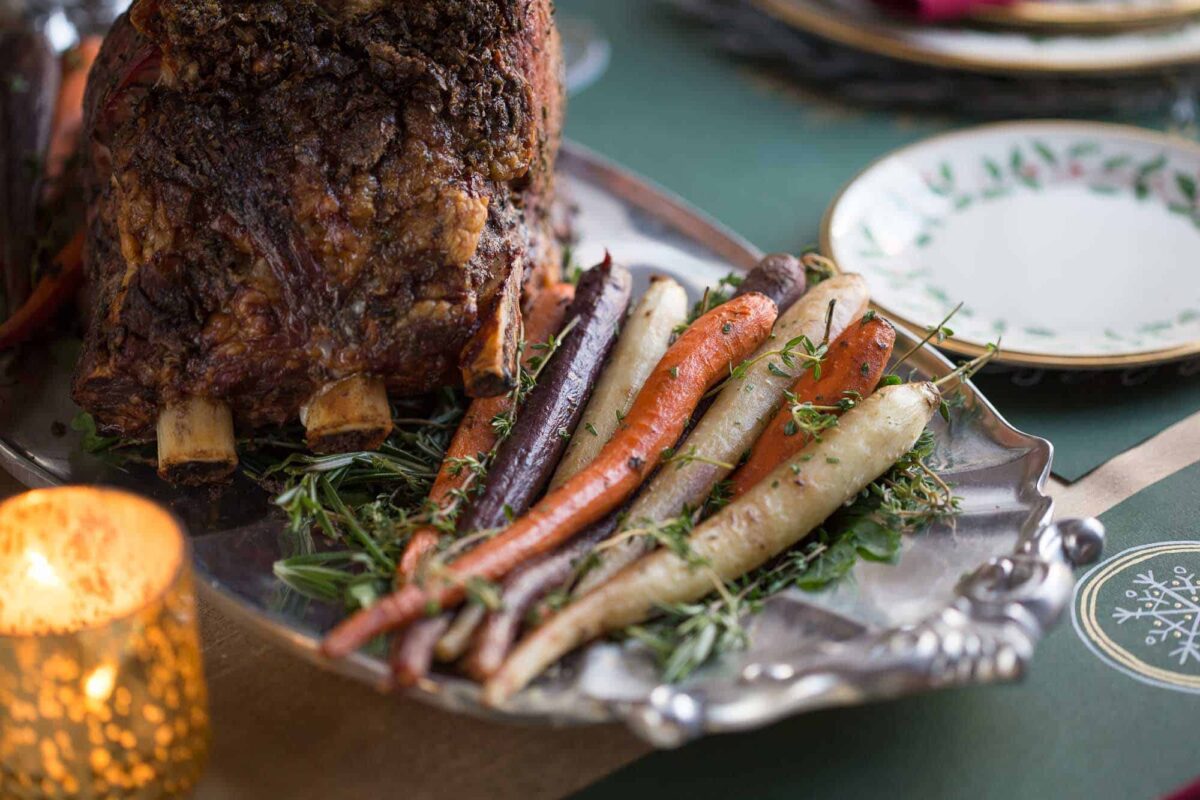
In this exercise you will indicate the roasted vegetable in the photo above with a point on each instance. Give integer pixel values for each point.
(771, 517)
(412, 652)
(851, 371)
(643, 340)
(56, 287)
(737, 417)
(528, 457)
(523, 590)
(701, 357)
(780, 277)
(642, 343)
(476, 434)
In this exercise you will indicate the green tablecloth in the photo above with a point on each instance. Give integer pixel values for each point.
(765, 158)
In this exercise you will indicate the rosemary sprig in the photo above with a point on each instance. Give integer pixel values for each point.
(375, 501)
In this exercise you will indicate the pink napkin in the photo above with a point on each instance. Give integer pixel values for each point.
(936, 10)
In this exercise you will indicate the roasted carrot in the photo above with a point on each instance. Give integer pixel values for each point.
(770, 518)
(475, 434)
(854, 365)
(67, 126)
(56, 287)
(703, 355)
(729, 428)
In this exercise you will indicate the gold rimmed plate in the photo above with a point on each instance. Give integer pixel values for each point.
(859, 24)
(1086, 16)
(1074, 243)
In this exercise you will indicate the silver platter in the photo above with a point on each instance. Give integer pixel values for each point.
(890, 630)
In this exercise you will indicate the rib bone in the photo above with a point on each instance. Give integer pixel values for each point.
(195, 442)
(348, 415)
(489, 360)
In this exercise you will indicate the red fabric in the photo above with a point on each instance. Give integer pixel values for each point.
(936, 10)
(1190, 792)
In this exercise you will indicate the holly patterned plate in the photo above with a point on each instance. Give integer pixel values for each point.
(1075, 243)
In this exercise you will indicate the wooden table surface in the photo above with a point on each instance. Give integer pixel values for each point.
(282, 728)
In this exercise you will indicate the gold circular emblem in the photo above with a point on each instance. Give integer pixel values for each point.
(1140, 613)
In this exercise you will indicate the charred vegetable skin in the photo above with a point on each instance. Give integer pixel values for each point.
(289, 192)
(547, 421)
(779, 276)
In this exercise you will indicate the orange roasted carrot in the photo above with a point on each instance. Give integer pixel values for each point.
(57, 286)
(702, 356)
(855, 363)
(475, 434)
(67, 126)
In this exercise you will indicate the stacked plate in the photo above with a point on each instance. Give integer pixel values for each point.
(1124, 58)
(1052, 37)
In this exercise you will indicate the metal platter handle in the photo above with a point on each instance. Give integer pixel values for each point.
(988, 634)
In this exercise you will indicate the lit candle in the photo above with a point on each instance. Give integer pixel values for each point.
(101, 687)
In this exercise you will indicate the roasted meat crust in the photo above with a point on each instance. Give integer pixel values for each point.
(285, 193)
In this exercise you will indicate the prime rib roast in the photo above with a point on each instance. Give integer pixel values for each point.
(298, 207)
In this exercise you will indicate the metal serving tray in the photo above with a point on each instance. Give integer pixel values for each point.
(965, 604)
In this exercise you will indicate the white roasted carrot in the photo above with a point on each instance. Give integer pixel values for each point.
(730, 427)
(774, 515)
(641, 345)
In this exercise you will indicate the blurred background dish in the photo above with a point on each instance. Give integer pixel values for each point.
(856, 75)
(1086, 15)
(863, 25)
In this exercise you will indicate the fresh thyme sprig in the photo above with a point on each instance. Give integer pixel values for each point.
(528, 378)
(672, 533)
(938, 333)
(692, 456)
(797, 351)
(812, 420)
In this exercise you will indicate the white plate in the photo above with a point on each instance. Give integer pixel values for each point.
(1078, 243)
(860, 24)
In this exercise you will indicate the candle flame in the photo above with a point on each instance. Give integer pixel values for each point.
(99, 683)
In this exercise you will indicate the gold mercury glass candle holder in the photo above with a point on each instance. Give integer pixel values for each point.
(102, 690)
